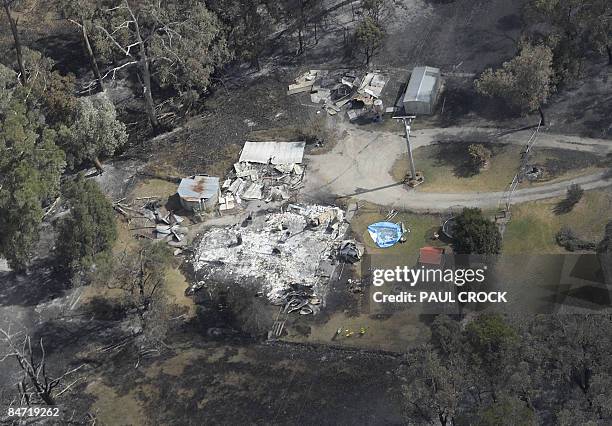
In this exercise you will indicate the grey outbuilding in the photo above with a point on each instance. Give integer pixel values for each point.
(199, 193)
(422, 91)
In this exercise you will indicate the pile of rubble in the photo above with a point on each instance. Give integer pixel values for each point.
(336, 89)
(252, 181)
(288, 255)
(153, 221)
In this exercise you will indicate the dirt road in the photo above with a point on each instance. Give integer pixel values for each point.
(360, 164)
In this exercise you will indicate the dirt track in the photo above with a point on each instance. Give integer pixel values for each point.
(360, 165)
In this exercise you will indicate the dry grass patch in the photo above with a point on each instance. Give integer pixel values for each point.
(534, 224)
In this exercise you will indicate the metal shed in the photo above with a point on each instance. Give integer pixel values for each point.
(422, 91)
(273, 152)
(199, 193)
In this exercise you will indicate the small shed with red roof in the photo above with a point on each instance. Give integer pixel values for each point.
(431, 256)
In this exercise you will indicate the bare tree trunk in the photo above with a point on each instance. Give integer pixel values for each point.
(301, 42)
(145, 75)
(609, 50)
(146, 86)
(33, 366)
(542, 118)
(255, 62)
(98, 164)
(92, 58)
(17, 40)
(146, 91)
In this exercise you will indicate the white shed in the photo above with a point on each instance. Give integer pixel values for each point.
(422, 91)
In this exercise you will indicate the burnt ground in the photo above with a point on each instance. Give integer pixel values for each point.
(460, 35)
(239, 108)
(201, 379)
(253, 383)
(585, 106)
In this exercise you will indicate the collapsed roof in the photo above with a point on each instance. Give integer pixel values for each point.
(272, 152)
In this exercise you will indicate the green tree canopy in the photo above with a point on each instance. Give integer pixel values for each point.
(30, 168)
(89, 229)
(369, 36)
(187, 44)
(249, 24)
(489, 336)
(434, 388)
(8, 82)
(177, 44)
(95, 131)
(479, 156)
(524, 81)
(141, 275)
(473, 233)
(48, 91)
(507, 411)
(81, 13)
(573, 28)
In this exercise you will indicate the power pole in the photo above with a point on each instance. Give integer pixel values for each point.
(414, 178)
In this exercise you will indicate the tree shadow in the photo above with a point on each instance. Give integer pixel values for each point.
(460, 100)
(509, 22)
(564, 206)
(42, 284)
(456, 155)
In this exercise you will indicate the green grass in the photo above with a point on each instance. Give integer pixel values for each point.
(533, 225)
(445, 167)
(421, 228)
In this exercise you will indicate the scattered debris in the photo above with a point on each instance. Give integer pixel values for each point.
(268, 171)
(350, 251)
(288, 254)
(151, 220)
(335, 90)
(355, 286)
(534, 173)
(371, 88)
(303, 83)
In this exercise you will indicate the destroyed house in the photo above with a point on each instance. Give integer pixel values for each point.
(197, 193)
(272, 152)
(422, 91)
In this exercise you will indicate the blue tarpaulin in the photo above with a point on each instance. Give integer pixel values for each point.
(385, 234)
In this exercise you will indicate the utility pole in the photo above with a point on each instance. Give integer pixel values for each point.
(414, 178)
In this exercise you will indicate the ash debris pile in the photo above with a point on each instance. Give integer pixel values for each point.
(288, 255)
(269, 171)
(335, 89)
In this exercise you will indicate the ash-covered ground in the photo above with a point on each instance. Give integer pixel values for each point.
(275, 251)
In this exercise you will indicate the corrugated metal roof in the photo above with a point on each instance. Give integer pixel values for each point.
(198, 187)
(431, 255)
(274, 152)
(422, 84)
